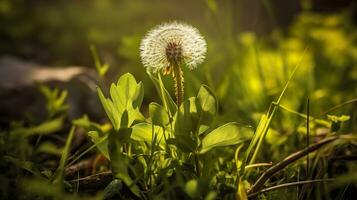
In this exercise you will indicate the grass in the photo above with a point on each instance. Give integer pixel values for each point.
(219, 143)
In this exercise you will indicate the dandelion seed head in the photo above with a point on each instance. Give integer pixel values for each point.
(171, 43)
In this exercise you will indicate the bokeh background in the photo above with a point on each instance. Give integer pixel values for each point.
(252, 47)
(48, 72)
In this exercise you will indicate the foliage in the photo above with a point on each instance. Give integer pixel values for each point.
(274, 119)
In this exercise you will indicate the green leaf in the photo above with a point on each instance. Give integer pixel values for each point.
(55, 101)
(109, 109)
(85, 123)
(185, 124)
(164, 94)
(120, 162)
(158, 115)
(138, 96)
(337, 122)
(142, 132)
(126, 96)
(26, 165)
(97, 138)
(102, 69)
(207, 108)
(59, 178)
(49, 148)
(264, 120)
(185, 143)
(113, 190)
(342, 118)
(186, 118)
(124, 92)
(241, 193)
(228, 134)
(45, 128)
(191, 188)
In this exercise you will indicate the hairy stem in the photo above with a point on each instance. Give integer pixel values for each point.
(178, 78)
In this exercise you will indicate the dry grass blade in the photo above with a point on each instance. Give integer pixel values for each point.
(288, 160)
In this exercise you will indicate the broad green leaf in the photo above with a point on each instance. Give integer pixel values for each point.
(185, 143)
(186, 118)
(124, 121)
(142, 132)
(120, 162)
(228, 134)
(158, 115)
(125, 92)
(138, 96)
(207, 108)
(109, 108)
(185, 124)
(126, 96)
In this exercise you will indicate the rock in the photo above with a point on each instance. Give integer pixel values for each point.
(20, 97)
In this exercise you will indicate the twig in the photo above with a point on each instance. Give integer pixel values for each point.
(94, 181)
(288, 160)
(285, 185)
(69, 172)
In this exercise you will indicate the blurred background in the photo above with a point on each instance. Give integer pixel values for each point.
(54, 54)
(253, 45)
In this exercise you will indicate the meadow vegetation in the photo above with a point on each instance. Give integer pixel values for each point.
(263, 117)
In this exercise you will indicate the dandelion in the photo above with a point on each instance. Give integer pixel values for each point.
(169, 46)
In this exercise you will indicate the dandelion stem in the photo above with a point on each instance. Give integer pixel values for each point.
(178, 78)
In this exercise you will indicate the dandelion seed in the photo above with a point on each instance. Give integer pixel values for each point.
(169, 46)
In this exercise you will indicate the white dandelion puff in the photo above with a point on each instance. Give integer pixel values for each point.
(172, 43)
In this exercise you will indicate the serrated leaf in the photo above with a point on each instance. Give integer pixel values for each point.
(126, 96)
(226, 135)
(109, 109)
